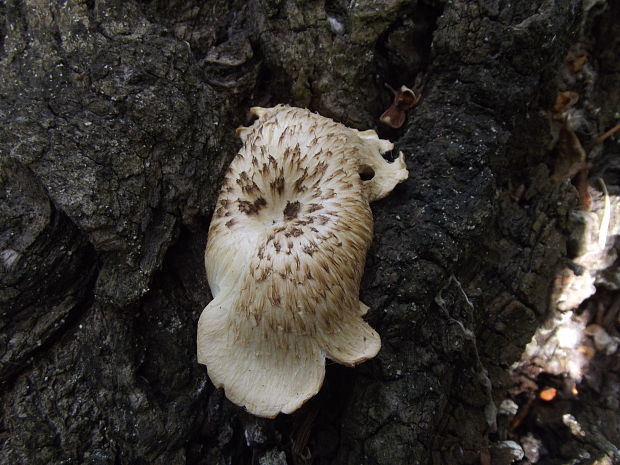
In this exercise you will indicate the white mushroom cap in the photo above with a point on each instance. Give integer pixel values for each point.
(285, 257)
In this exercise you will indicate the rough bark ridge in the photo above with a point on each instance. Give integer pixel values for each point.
(117, 121)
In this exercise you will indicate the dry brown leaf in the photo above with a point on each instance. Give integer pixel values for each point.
(564, 100)
(587, 351)
(404, 99)
(575, 61)
(571, 156)
(548, 394)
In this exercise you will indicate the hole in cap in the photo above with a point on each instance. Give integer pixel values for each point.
(366, 173)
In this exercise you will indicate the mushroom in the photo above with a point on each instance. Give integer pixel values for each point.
(285, 255)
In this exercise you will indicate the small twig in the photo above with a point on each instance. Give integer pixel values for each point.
(522, 413)
(585, 199)
(600, 313)
(604, 228)
(603, 136)
(390, 88)
(610, 315)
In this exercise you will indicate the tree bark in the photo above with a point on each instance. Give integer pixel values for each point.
(118, 122)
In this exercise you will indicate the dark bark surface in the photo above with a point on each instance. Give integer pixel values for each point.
(117, 122)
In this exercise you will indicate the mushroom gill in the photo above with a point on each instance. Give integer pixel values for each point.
(285, 256)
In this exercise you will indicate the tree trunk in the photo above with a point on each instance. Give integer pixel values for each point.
(118, 121)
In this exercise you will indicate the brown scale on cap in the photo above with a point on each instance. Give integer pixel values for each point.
(285, 257)
(291, 210)
(251, 208)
